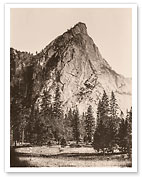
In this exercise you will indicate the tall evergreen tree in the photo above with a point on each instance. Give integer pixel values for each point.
(104, 106)
(99, 109)
(113, 122)
(100, 140)
(76, 125)
(122, 134)
(33, 126)
(129, 131)
(125, 133)
(89, 124)
(18, 119)
(111, 133)
(82, 128)
(105, 132)
(113, 106)
(103, 109)
(57, 115)
(68, 125)
(44, 118)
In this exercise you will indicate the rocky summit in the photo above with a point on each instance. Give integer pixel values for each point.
(74, 62)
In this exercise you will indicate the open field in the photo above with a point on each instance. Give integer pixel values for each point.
(43, 156)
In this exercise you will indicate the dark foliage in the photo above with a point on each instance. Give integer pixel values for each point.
(111, 130)
(76, 125)
(89, 124)
(57, 116)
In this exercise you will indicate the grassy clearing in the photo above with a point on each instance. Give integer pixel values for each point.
(68, 157)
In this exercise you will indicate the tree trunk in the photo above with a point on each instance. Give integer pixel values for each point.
(23, 136)
(15, 143)
(103, 151)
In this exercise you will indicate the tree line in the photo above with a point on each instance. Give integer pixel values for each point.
(47, 122)
(112, 130)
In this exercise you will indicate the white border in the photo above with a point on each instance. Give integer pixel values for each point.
(7, 88)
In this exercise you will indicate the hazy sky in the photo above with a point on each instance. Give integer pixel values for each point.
(111, 30)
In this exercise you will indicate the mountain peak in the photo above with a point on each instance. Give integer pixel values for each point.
(79, 28)
(73, 62)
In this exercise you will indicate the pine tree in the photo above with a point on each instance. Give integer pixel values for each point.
(24, 121)
(44, 119)
(82, 128)
(104, 127)
(16, 109)
(113, 123)
(99, 139)
(113, 112)
(57, 115)
(113, 106)
(68, 125)
(76, 125)
(99, 109)
(125, 133)
(111, 134)
(32, 126)
(89, 124)
(122, 134)
(103, 109)
(129, 132)
(104, 112)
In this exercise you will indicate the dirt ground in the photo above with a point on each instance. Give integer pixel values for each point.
(55, 156)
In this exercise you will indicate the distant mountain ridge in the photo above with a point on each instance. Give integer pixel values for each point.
(74, 62)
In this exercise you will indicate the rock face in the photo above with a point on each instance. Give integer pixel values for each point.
(74, 62)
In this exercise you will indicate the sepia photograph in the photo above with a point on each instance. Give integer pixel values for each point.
(70, 71)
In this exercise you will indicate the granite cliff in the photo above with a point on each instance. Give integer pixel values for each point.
(73, 61)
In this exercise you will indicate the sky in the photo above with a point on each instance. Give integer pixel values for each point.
(31, 29)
